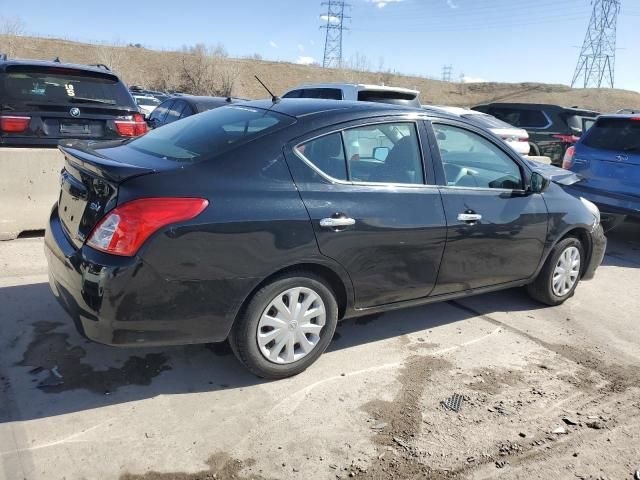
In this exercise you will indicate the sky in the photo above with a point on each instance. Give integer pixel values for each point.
(483, 40)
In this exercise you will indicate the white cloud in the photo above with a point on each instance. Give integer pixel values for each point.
(467, 79)
(273, 44)
(383, 3)
(331, 19)
(304, 60)
(451, 4)
(301, 47)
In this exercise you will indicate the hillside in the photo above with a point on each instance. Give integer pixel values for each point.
(139, 66)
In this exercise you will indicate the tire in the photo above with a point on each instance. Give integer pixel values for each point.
(257, 321)
(542, 288)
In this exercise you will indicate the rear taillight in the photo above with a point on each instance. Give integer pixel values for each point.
(131, 128)
(567, 161)
(123, 230)
(571, 139)
(13, 124)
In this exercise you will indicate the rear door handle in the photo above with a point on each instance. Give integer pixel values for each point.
(469, 217)
(337, 222)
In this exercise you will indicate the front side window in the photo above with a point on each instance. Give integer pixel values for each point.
(470, 160)
(382, 153)
(160, 112)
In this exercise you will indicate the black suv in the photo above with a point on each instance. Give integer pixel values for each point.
(552, 129)
(42, 103)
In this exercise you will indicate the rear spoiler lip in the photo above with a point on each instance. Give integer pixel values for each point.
(84, 158)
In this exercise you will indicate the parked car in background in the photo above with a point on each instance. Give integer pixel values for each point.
(183, 106)
(552, 129)
(42, 103)
(137, 90)
(629, 111)
(146, 104)
(607, 158)
(516, 138)
(356, 92)
(261, 223)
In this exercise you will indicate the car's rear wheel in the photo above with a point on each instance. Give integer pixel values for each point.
(286, 325)
(560, 274)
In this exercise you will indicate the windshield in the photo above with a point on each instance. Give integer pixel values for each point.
(618, 134)
(486, 121)
(29, 84)
(204, 136)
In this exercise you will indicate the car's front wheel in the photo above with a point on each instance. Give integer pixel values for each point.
(286, 326)
(560, 274)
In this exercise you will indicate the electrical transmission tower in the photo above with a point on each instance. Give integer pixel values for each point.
(446, 73)
(597, 62)
(335, 17)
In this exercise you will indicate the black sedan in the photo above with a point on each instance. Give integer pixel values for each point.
(266, 223)
(178, 107)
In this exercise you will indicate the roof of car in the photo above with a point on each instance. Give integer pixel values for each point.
(54, 64)
(454, 110)
(359, 86)
(547, 106)
(303, 107)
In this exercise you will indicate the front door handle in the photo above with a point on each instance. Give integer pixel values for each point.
(469, 217)
(337, 222)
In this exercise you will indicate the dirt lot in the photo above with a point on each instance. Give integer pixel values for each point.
(139, 66)
(549, 393)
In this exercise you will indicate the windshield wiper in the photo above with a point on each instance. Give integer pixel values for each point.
(91, 100)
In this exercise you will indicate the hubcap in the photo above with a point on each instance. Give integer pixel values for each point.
(289, 328)
(567, 270)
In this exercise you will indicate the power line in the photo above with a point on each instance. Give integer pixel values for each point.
(334, 17)
(597, 61)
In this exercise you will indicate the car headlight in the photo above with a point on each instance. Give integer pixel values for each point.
(593, 209)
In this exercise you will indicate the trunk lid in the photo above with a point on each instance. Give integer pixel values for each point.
(89, 187)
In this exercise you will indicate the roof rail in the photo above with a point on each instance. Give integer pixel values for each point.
(99, 65)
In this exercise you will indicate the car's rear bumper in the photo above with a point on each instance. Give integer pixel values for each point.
(124, 301)
(598, 248)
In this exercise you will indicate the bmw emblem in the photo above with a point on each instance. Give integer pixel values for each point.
(75, 112)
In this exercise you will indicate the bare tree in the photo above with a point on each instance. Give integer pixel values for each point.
(113, 56)
(10, 29)
(228, 76)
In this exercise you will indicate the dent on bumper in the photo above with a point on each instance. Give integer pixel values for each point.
(124, 301)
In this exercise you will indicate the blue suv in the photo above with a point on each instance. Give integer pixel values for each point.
(607, 158)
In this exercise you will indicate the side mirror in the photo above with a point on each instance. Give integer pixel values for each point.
(538, 183)
(380, 153)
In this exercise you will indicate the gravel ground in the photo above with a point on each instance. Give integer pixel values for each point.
(546, 392)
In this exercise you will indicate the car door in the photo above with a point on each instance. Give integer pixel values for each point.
(372, 208)
(496, 229)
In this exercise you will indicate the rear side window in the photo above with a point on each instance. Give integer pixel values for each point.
(209, 134)
(66, 86)
(618, 134)
(522, 118)
(384, 96)
(383, 153)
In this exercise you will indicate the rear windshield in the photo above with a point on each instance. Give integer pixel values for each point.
(147, 101)
(384, 96)
(57, 85)
(204, 136)
(618, 134)
(486, 121)
(322, 93)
